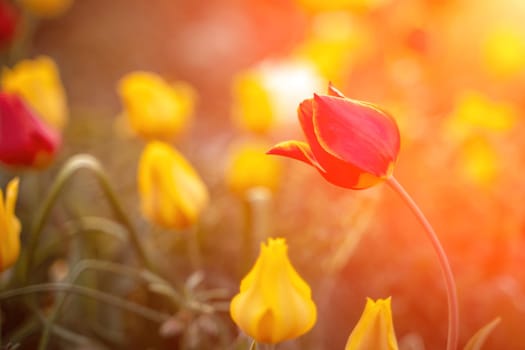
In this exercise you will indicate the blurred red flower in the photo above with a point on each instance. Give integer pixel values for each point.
(8, 22)
(25, 141)
(353, 144)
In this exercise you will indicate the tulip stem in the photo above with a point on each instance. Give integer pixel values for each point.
(102, 266)
(74, 164)
(453, 312)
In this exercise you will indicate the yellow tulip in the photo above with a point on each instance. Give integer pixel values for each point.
(9, 226)
(274, 303)
(250, 167)
(46, 8)
(154, 108)
(38, 83)
(171, 192)
(375, 329)
(252, 106)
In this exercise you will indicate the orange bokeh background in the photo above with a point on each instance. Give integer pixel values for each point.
(451, 72)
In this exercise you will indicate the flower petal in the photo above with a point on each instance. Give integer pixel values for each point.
(297, 150)
(357, 133)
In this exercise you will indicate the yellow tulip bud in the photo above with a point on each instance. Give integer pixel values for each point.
(154, 108)
(171, 192)
(250, 167)
(9, 226)
(252, 105)
(375, 329)
(38, 83)
(274, 303)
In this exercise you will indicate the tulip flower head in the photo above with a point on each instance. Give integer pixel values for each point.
(353, 144)
(25, 141)
(249, 168)
(171, 192)
(375, 329)
(274, 303)
(38, 83)
(9, 226)
(154, 108)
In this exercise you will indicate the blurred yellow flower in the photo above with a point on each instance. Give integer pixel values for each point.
(266, 96)
(274, 303)
(46, 8)
(252, 106)
(475, 113)
(9, 226)
(251, 167)
(154, 108)
(504, 51)
(172, 193)
(38, 82)
(375, 329)
(338, 40)
(336, 5)
(479, 162)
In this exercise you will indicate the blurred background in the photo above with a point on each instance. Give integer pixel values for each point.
(452, 73)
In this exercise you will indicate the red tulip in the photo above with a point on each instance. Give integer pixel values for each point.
(8, 22)
(353, 144)
(24, 139)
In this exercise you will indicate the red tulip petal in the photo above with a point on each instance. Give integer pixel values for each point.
(297, 150)
(305, 113)
(24, 139)
(333, 169)
(357, 133)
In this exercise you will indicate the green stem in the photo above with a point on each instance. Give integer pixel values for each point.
(23, 44)
(257, 224)
(105, 266)
(73, 164)
(106, 298)
(452, 298)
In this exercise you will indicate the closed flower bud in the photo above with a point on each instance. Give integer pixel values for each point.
(274, 303)
(353, 144)
(9, 226)
(38, 83)
(171, 192)
(155, 109)
(375, 329)
(25, 141)
(249, 167)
